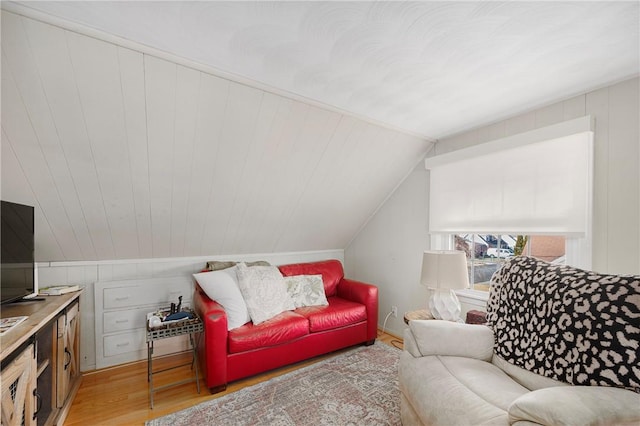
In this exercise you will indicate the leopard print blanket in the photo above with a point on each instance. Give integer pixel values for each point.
(567, 324)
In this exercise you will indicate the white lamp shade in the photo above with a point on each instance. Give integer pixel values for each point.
(444, 269)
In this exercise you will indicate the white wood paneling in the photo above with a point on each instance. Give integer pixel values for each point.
(520, 124)
(243, 105)
(305, 147)
(598, 106)
(49, 47)
(549, 115)
(27, 78)
(248, 203)
(20, 135)
(274, 206)
(310, 172)
(574, 107)
(160, 91)
(388, 251)
(132, 156)
(19, 191)
(102, 105)
(213, 97)
(321, 198)
(623, 230)
(187, 90)
(134, 106)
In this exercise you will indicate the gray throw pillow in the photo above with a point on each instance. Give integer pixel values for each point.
(217, 265)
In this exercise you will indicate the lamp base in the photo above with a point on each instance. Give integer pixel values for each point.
(444, 305)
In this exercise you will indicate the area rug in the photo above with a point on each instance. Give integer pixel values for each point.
(358, 387)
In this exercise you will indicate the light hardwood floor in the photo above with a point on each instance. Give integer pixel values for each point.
(120, 395)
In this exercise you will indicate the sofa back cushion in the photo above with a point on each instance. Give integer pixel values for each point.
(331, 271)
(567, 324)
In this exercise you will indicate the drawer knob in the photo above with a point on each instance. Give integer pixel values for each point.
(121, 321)
(122, 298)
(120, 345)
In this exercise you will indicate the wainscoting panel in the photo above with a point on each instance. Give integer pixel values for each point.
(128, 153)
(86, 274)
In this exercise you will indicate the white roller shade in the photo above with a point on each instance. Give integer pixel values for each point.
(535, 183)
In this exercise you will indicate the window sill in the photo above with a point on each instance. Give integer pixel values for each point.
(481, 296)
(473, 297)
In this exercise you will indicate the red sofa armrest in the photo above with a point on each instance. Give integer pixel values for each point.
(212, 348)
(364, 293)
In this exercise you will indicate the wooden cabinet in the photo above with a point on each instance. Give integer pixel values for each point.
(67, 353)
(40, 361)
(45, 339)
(18, 379)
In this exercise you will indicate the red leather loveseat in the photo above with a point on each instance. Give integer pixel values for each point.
(350, 318)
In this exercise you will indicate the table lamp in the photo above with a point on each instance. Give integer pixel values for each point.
(442, 272)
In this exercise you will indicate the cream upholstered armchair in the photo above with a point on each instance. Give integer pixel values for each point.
(560, 347)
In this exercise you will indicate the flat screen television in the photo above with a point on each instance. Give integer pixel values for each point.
(17, 275)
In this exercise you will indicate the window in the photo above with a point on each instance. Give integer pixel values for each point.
(487, 253)
(529, 193)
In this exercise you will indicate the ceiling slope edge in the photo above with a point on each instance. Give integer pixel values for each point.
(390, 194)
(528, 108)
(82, 29)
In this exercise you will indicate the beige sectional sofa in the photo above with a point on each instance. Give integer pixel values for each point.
(564, 362)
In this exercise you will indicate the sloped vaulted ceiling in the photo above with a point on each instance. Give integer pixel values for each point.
(430, 67)
(126, 155)
(157, 129)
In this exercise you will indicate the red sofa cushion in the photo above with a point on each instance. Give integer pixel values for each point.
(331, 271)
(282, 328)
(339, 313)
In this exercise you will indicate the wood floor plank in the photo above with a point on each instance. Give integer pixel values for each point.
(120, 395)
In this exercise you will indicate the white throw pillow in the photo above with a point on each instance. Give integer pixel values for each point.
(222, 286)
(264, 291)
(306, 290)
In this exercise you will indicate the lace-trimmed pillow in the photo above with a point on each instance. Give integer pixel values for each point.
(306, 290)
(264, 291)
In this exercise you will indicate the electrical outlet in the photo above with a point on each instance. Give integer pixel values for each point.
(394, 311)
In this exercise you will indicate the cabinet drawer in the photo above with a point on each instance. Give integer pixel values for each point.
(125, 342)
(125, 320)
(137, 295)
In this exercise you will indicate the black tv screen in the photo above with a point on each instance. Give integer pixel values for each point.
(16, 239)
